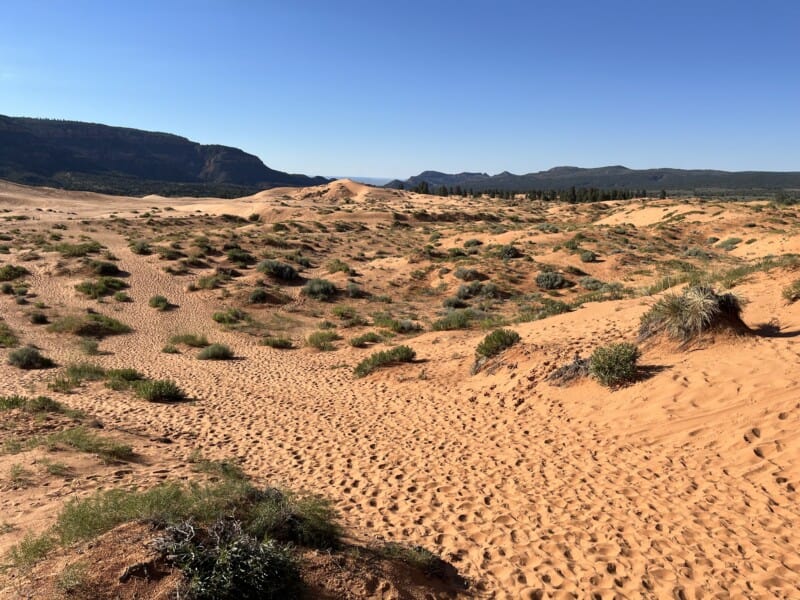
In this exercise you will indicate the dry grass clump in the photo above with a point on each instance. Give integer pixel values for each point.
(12, 272)
(791, 293)
(614, 365)
(384, 358)
(696, 310)
(93, 325)
(29, 358)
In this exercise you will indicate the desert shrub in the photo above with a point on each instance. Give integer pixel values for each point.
(497, 341)
(396, 355)
(104, 268)
(92, 325)
(85, 440)
(38, 318)
(566, 374)
(550, 280)
(29, 358)
(190, 339)
(455, 319)
(362, 340)
(614, 365)
(453, 302)
(122, 379)
(122, 297)
(415, 556)
(353, 290)
(730, 243)
(8, 339)
(472, 243)
(278, 270)
(278, 342)
(89, 346)
(695, 310)
(322, 340)
(240, 257)
(508, 252)
(12, 272)
(225, 562)
(591, 284)
(103, 286)
(216, 352)
(791, 293)
(160, 303)
(258, 296)
(159, 391)
(77, 250)
(588, 256)
(230, 316)
(7, 288)
(695, 252)
(465, 274)
(170, 349)
(141, 247)
(402, 326)
(319, 289)
(338, 266)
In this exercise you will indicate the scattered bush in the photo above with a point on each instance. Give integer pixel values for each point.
(122, 297)
(695, 310)
(497, 341)
(361, 341)
(104, 268)
(160, 303)
(550, 280)
(588, 256)
(614, 365)
(190, 339)
(8, 339)
(278, 270)
(455, 319)
(77, 250)
(159, 391)
(12, 272)
(29, 358)
(398, 354)
(258, 296)
(319, 289)
(91, 325)
(38, 318)
(280, 343)
(338, 266)
(791, 293)
(141, 247)
(103, 286)
(216, 352)
(322, 340)
(230, 316)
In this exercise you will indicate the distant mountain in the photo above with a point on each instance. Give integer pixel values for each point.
(119, 160)
(608, 178)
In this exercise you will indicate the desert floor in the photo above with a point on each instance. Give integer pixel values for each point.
(682, 484)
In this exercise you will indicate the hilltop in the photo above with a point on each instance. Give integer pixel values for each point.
(119, 160)
(616, 176)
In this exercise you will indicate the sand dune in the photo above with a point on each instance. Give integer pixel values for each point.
(681, 485)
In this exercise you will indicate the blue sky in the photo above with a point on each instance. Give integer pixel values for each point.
(376, 88)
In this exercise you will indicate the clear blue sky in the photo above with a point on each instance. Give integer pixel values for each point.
(380, 88)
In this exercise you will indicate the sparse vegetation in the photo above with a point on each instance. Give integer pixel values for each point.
(159, 391)
(320, 289)
(614, 365)
(791, 293)
(216, 352)
(323, 340)
(396, 355)
(12, 272)
(159, 303)
(29, 358)
(497, 341)
(277, 342)
(90, 325)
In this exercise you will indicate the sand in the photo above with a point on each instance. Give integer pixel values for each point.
(682, 485)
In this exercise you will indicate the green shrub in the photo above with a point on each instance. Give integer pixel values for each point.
(86, 440)
(730, 243)
(8, 339)
(29, 358)
(159, 391)
(455, 319)
(791, 293)
(89, 325)
(12, 272)
(614, 365)
(192, 340)
(497, 341)
(280, 343)
(240, 258)
(361, 341)
(77, 250)
(258, 296)
(141, 247)
(319, 289)
(695, 310)
(103, 286)
(89, 346)
(216, 352)
(550, 280)
(322, 340)
(278, 270)
(160, 303)
(338, 266)
(104, 268)
(122, 297)
(38, 318)
(170, 349)
(588, 256)
(396, 355)
(230, 316)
